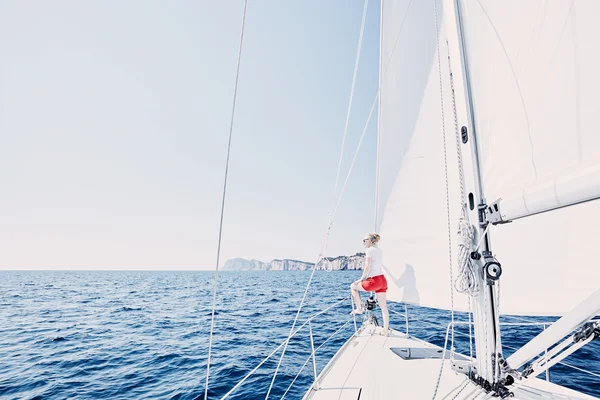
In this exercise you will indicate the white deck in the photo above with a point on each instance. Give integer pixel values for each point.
(366, 367)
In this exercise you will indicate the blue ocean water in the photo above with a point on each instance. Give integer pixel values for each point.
(144, 335)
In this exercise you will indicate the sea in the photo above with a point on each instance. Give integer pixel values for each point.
(145, 335)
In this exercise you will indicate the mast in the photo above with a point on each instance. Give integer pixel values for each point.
(485, 315)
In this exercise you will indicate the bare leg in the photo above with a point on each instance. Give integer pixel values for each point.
(354, 288)
(382, 299)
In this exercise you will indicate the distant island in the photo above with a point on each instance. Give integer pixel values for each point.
(341, 263)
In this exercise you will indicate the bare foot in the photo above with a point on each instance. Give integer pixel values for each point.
(385, 332)
(356, 312)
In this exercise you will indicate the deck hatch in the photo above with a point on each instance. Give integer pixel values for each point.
(422, 353)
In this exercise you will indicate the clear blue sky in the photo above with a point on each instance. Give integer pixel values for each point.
(114, 119)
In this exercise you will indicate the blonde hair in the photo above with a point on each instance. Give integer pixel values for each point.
(374, 237)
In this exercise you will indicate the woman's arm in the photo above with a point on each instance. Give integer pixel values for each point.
(366, 269)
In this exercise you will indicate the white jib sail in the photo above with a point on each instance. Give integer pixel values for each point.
(412, 188)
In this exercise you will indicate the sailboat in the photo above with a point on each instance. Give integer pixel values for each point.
(487, 196)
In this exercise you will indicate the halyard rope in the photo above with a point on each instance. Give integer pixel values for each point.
(439, 64)
(466, 282)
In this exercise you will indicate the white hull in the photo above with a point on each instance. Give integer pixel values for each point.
(366, 368)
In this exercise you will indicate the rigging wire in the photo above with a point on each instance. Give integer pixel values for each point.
(237, 385)
(332, 215)
(325, 241)
(215, 284)
(356, 62)
(310, 356)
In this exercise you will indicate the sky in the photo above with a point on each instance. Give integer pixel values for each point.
(114, 120)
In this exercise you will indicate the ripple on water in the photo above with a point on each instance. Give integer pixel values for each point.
(123, 335)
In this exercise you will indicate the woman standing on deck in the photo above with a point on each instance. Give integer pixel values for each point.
(372, 279)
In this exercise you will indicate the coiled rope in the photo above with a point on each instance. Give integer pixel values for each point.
(466, 281)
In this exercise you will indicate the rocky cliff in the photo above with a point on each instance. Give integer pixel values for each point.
(340, 263)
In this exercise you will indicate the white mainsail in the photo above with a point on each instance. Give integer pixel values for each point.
(412, 188)
(535, 87)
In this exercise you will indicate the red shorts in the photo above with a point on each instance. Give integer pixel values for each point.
(375, 283)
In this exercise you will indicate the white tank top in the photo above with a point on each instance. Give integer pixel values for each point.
(376, 256)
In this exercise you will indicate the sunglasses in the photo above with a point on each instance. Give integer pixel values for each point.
(365, 240)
